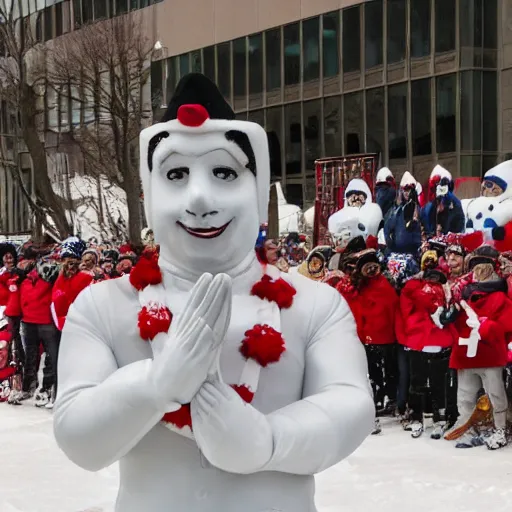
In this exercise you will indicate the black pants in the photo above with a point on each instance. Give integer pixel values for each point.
(17, 345)
(33, 335)
(402, 397)
(428, 386)
(382, 372)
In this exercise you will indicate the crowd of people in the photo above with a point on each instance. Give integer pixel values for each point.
(431, 296)
(432, 300)
(38, 284)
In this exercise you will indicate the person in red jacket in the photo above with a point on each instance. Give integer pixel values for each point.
(484, 327)
(71, 280)
(428, 344)
(374, 304)
(35, 295)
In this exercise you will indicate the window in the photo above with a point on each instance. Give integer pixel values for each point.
(209, 62)
(257, 116)
(239, 72)
(471, 25)
(421, 129)
(420, 28)
(195, 61)
(397, 121)
(121, 6)
(184, 64)
(274, 128)
(294, 194)
(331, 42)
(77, 11)
(256, 64)
(353, 123)
(445, 113)
(100, 9)
(224, 69)
(373, 33)
(87, 11)
(351, 40)
(311, 49)
(48, 23)
(375, 120)
(312, 115)
(273, 59)
(332, 126)
(156, 83)
(59, 22)
(445, 25)
(292, 125)
(173, 74)
(291, 54)
(396, 30)
(490, 111)
(134, 4)
(471, 110)
(490, 24)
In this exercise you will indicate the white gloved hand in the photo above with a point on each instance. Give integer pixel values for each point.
(472, 322)
(436, 317)
(510, 346)
(183, 358)
(232, 435)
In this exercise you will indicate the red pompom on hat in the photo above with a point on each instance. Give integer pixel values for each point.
(192, 115)
(263, 344)
(153, 320)
(146, 272)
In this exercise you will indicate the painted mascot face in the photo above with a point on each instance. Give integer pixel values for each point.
(204, 207)
(487, 213)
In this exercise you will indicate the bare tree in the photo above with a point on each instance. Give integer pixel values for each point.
(22, 87)
(102, 71)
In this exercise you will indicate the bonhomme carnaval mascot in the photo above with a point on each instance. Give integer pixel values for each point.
(218, 383)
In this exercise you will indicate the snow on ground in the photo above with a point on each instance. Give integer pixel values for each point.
(389, 472)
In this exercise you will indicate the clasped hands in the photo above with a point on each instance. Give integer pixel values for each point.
(231, 434)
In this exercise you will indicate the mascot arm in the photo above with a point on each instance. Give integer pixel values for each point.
(307, 436)
(102, 411)
(337, 411)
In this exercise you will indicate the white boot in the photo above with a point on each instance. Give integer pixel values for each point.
(416, 429)
(438, 431)
(497, 440)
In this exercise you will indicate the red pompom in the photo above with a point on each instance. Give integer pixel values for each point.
(472, 241)
(244, 392)
(146, 271)
(263, 344)
(180, 418)
(278, 291)
(192, 115)
(153, 319)
(372, 242)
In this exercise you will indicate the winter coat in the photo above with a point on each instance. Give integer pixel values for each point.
(374, 307)
(451, 219)
(35, 300)
(494, 311)
(385, 196)
(398, 237)
(5, 275)
(65, 291)
(415, 328)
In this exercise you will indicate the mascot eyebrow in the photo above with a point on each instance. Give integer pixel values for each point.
(238, 137)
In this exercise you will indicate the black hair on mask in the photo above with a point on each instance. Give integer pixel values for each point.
(153, 143)
(242, 141)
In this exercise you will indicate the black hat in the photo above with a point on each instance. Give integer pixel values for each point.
(483, 255)
(7, 248)
(197, 89)
(435, 274)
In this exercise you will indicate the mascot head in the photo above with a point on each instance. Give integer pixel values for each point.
(206, 180)
(440, 183)
(497, 181)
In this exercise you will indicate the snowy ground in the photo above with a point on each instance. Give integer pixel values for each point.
(389, 472)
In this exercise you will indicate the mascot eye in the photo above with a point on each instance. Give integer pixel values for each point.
(225, 173)
(178, 174)
(361, 227)
(491, 208)
(479, 216)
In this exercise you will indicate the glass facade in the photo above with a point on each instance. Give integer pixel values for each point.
(413, 80)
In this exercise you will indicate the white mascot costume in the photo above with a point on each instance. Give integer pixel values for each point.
(218, 383)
